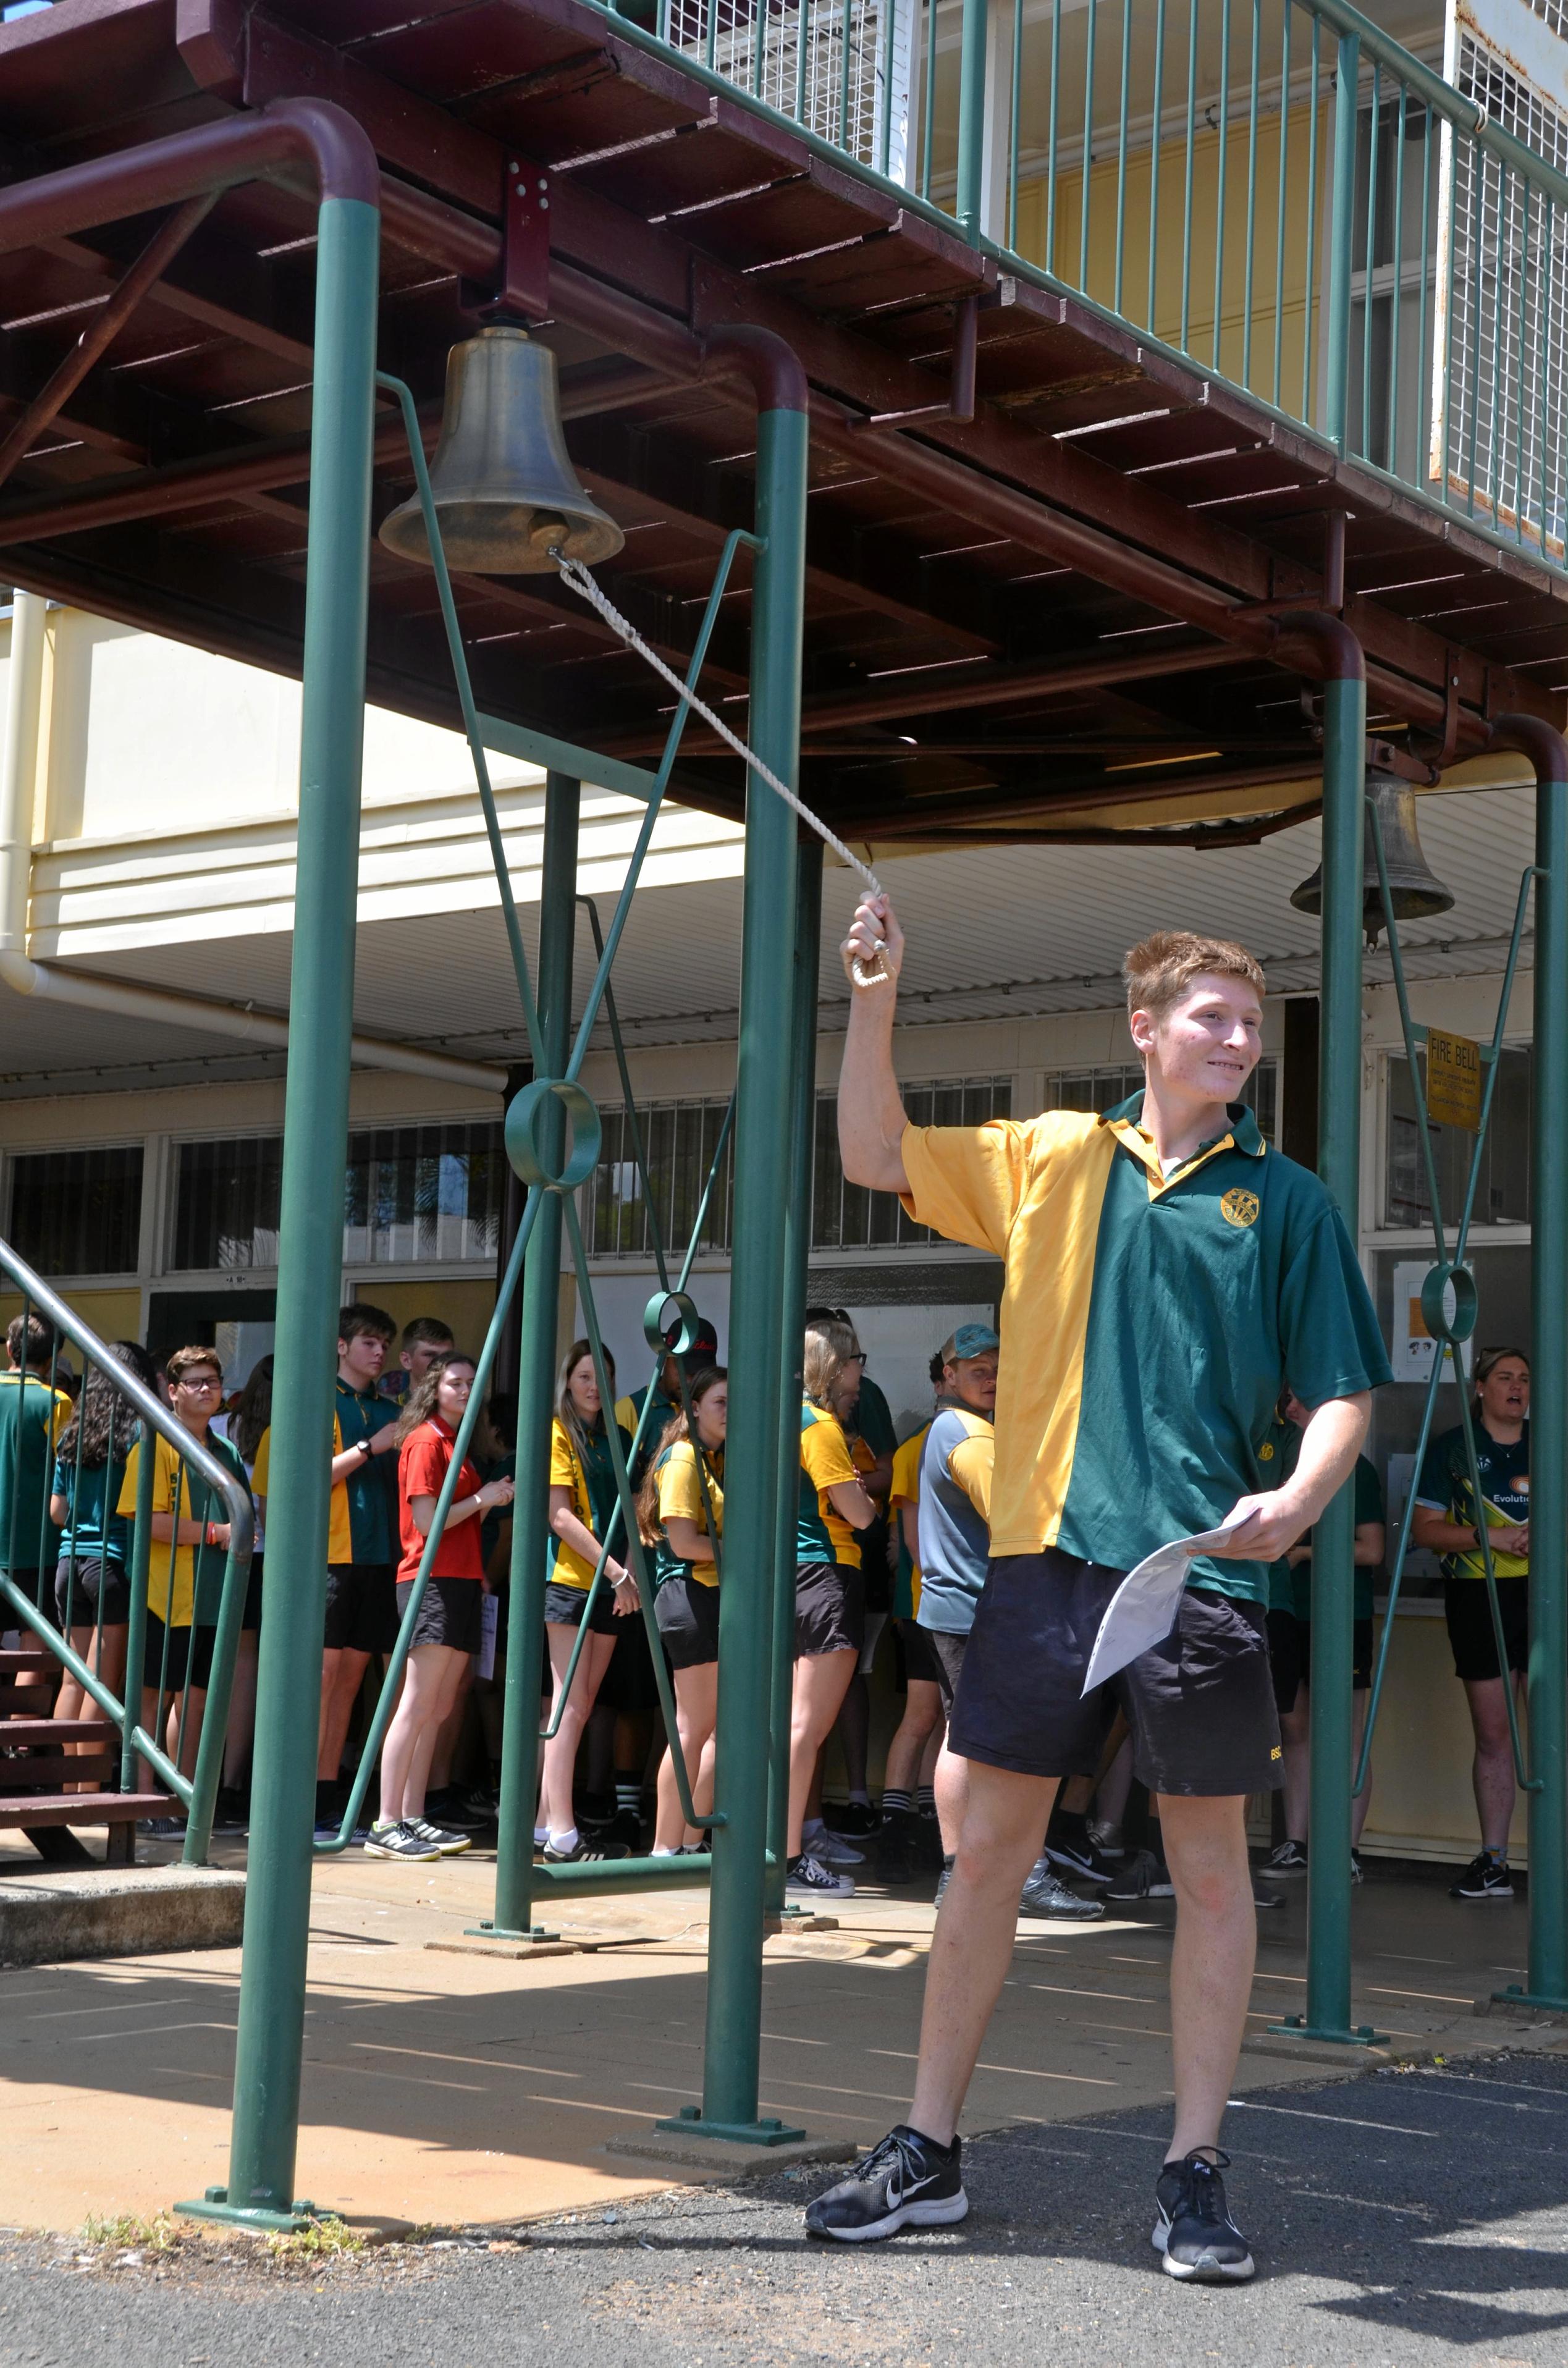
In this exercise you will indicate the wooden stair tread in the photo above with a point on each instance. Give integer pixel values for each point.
(16, 1731)
(83, 1808)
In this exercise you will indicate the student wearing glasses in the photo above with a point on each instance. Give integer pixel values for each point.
(184, 1574)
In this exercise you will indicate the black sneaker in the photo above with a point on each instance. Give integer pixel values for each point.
(1143, 1877)
(1192, 2227)
(622, 1838)
(600, 1847)
(1080, 1859)
(441, 1838)
(908, 2182)
(1261, 1894)
(855, 1820)
(448, 1808)
(894, 1858)
(1485, 1878)
(1289, 1859)
(929, 1851)
(229, 1812)
(390, 1838)
(1046, 1895)
(808, 1879)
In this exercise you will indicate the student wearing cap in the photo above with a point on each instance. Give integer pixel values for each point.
(909, 1800)
(1164, 1270)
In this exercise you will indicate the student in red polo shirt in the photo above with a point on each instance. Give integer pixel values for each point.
(447, 1629)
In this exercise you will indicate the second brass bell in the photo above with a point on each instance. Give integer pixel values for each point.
(505, 493)
(1415, 888)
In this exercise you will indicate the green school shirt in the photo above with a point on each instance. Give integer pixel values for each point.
(372, 1490)
(33, 1413)
(1148, 1324)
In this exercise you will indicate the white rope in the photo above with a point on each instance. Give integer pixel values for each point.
(576, 575)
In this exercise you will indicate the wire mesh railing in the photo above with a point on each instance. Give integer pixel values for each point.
(87, 1488)
(1276, 189)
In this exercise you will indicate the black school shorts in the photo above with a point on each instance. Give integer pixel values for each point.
(947, 1650)
(1200, 1705)
(830, 1610)
(564, 1608)
(688, 1614)
(96, 1584)
(921, 1666)
(1291, 1657)
(450, 1613)
(183, 1655)
(361, 1607)
(1469, 1611)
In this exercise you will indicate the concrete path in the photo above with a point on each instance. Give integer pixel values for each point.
(1417, 2217)
(453, 2088)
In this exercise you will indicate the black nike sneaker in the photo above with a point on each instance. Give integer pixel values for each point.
(907, 2181)
(1192, 2227)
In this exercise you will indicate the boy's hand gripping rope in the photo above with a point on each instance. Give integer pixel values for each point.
(574, 574)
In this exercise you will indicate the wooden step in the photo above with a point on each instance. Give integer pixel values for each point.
(44, 1771)
(15, 1732)
(26, 1658)
(85, 1809)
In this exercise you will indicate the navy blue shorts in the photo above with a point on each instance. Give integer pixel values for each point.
(1200, 1705)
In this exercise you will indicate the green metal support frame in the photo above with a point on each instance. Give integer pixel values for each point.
(536, 1393)
(1547, 1685)
(762, 1112)
(263, 2141)
(797, 1255)
(1328, 2013)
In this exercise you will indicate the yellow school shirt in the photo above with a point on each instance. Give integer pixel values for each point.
(826, 1462)
(339, 1539)
(905, 1490)
(680, 1493)
(171, 1596)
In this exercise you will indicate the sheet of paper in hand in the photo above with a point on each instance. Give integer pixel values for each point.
(1143, 1611)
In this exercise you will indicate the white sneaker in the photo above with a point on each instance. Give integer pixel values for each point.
(809, 1879)
(832, 1850)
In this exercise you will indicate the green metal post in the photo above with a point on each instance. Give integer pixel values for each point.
(315, 1130)
(762, 1110)
(1339, 1164)
(1341, 248)
(536, 1391)
(797, 1257)
(1547, 1804)
(973, 68)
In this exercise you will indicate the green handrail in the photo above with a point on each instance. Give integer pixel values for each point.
(197, 1792)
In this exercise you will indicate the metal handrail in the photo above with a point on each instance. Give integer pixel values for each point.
(1497, 450)
(199, 1791)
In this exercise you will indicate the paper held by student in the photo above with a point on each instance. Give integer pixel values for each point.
(1143, 1611)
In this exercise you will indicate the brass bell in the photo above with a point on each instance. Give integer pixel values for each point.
(1415, 889)
(504, 489)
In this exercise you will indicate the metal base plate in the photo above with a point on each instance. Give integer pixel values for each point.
(1361, 2034)
(690, 2122)
(488, 1931)
(1537, 2001)
(215, 2206)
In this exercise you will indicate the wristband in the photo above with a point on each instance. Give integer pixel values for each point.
(212, 1537)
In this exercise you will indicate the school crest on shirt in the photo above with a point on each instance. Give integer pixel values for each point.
(1239, 1207)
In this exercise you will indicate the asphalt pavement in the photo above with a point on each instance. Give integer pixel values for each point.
(1411, 2217)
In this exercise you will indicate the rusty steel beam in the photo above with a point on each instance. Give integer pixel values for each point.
(102, 330)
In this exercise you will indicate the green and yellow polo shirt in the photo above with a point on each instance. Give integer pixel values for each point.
(1148, 1321)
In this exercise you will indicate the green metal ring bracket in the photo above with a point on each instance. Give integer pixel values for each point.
(524, 1148)
(658, 1322)
(1445, 1277)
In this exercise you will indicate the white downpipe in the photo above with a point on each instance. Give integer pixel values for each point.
(54, 982)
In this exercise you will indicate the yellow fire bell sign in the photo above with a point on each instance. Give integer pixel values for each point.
(1453, 1079)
